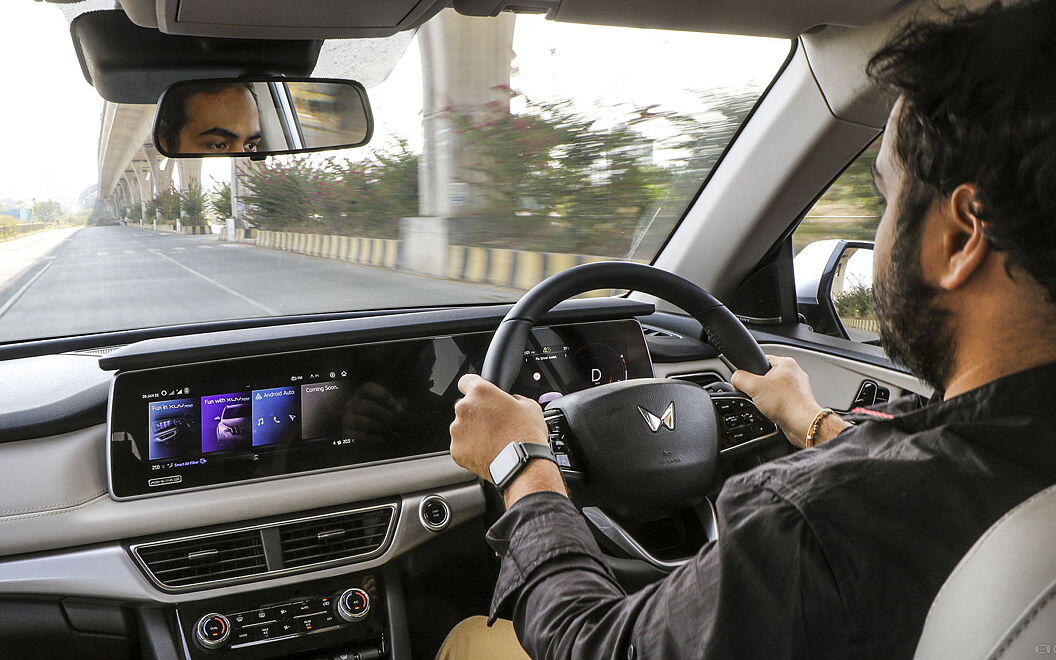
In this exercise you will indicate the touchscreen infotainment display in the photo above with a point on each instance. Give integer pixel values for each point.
(228, 421)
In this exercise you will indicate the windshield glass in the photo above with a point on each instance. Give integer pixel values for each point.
(505, 150)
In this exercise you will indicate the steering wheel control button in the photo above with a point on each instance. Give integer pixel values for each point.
(213, 630)
(353, 605)
(434, 513)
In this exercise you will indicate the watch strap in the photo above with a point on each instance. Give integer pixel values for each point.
(526, 452)
(537, 450)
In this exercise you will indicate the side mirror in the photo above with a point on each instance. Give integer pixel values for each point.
(259, 117)
(834, 289)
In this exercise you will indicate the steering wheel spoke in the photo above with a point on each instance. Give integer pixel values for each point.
(608, 527)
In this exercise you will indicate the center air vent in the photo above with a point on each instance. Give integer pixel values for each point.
(206, 559)
(267, 550)
(340, 537)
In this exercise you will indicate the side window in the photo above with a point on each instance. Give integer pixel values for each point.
(834, 256)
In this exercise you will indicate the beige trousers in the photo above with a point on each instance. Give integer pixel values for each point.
(472, 639)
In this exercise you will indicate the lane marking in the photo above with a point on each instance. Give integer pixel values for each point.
(18, 294)
(256, 303)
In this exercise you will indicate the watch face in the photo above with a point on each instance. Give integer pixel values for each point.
(504, 464)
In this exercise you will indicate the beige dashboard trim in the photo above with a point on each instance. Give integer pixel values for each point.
(54, 490)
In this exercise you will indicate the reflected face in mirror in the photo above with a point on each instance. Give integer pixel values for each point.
(211, 119)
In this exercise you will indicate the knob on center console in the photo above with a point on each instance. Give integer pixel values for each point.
(213, 630)
(353, 604)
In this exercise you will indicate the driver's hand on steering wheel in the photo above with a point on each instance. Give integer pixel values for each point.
(785, 396)
(486, 420)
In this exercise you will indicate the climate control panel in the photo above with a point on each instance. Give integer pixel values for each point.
(287, 622)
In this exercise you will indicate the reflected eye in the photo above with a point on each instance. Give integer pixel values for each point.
(216, 146)
(252, 146)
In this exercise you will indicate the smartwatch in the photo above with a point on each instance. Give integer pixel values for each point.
(513, 458)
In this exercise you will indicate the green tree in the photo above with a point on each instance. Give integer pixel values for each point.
(192, 203)
(47, 211)
(220, 200)
(168, 204)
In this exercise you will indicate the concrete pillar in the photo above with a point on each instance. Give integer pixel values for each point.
(190, 173)
(240, 167)
(465, 66)
(161, 179)
(142, 176)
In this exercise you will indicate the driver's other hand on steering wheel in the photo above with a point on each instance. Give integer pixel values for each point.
(486, 420)
(785, 396)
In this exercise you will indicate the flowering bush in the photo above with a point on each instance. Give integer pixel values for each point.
(335, 196)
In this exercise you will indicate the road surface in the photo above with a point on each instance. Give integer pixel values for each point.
(116, 278)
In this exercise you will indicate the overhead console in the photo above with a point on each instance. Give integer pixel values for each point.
(226, 421)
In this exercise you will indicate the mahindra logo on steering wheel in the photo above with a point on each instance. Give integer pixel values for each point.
(654, 422)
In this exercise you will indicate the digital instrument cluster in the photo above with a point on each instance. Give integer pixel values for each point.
(227, 421)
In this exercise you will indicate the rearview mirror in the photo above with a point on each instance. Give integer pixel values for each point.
(258, 117)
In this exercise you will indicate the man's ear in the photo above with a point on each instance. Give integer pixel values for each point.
(964, 245)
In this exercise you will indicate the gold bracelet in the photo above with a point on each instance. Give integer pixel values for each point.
(815, 425)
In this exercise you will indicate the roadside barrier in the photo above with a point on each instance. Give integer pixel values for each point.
(21, 229)
(514, 269)
(869, 325)
(367, 251)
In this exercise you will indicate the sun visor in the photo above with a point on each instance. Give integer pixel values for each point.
(127, 63)
(283, 19)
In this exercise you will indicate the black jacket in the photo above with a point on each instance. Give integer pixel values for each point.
(835, 552)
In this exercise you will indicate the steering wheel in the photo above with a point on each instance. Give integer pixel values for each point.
(644, 447)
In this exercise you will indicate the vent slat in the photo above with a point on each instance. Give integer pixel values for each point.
(230, 556)
(363, 533)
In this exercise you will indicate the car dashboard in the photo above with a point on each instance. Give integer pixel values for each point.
(268, 492)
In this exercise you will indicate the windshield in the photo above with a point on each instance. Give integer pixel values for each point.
(505, 150)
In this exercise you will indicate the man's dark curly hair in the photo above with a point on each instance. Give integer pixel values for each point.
(979, 106)
(172, 114)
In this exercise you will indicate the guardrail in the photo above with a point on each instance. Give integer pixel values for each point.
(8, 232)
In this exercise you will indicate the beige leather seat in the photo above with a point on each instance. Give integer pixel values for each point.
(1000, 601)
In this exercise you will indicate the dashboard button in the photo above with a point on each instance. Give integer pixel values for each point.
(258, 616)
(288, 628)
(307, 623)
(303, 607)
(326, 620)
(266, 630)
(280, 612)
(239, 620)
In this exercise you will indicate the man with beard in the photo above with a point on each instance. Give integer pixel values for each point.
(839, 550)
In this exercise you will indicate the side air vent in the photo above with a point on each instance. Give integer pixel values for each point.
(267, 550)
(337, 538)
(206, 559)
(650, 331)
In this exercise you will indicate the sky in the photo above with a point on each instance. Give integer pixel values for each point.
(51, 115)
